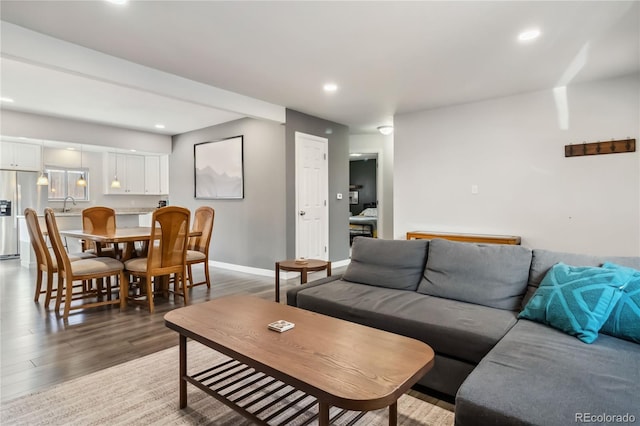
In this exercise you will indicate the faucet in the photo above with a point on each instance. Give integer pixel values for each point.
(64, 206)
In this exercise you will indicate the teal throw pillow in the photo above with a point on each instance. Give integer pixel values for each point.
(576, 299)
(624, 320)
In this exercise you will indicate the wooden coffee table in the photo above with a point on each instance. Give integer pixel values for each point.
(334, 362)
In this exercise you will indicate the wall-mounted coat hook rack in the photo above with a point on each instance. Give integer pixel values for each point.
(600, 147)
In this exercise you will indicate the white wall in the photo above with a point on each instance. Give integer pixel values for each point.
(250, 232)
(513, 149)
(383, 146)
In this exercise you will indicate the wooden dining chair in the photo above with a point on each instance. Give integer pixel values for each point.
(166, 254)
(83, 270)
(198, 249)
(99, 220)
(45, 259)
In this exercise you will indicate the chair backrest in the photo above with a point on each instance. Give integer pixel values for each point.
(43, 255)
(202, 222)
(99, 220)
(64, 265)
(169, 239)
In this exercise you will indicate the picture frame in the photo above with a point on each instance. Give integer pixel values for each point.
(353, 197)
(219, 169)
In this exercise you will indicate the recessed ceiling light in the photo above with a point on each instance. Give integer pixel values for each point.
(330, 87)
(529, 35)
(160, 126)
(118, 1)
(9, 100)
(385, 130)
(132, 150)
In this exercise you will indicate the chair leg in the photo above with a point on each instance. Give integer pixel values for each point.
(59, 292)
(68, 297)
(47, 299)
(149, 283)
(124, 289)
(36, 298)
(183, 279)
(189, 275)
(206, 274)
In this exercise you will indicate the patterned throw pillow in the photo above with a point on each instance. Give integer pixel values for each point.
(624, 321)
(576, 299)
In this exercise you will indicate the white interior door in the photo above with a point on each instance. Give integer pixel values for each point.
(312, 211)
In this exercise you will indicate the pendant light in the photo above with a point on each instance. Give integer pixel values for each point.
(82, 181)
(43, 180)
(115, 183)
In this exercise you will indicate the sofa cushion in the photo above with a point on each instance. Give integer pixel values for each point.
(395, 264)
(543, 260)
(576, 299)
(493, 275)
(537, 375)
(459, 330)
(624, 320)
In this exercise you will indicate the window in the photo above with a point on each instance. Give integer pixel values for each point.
(62, 184)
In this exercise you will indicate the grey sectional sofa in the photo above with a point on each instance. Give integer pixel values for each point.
(463, 300)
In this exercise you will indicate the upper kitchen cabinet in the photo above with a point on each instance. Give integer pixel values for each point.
(19, 156)
(129, 169)
(156, 175)
(137, 174)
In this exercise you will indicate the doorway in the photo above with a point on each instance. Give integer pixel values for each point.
(363, 195)
(312, 210)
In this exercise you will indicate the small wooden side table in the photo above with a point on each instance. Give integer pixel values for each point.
(312, 265)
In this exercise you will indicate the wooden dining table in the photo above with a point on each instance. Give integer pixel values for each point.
(127, 236)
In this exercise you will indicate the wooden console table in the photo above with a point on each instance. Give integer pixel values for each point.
(466, 238)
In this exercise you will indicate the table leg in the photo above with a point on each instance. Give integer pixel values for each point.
(277, 281)
(303, 276)
(323, 413)
(183, 371)
(328, 268)
(393, 414)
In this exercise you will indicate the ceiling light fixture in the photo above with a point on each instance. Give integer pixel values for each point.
(529, 35)
(118, 1)
(81, 181)
(43, 180)
(8, 100)
(115, 183)
(330, 87)
(385, 130)
(160, 126)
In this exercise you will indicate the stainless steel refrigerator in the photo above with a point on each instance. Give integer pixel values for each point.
(18, 190)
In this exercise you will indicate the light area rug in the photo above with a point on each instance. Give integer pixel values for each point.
(145, 391)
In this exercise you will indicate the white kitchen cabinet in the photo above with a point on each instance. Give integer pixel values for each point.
(20, 156)
(152, 175)
(130, 170)
(156, 175)
(164, 175)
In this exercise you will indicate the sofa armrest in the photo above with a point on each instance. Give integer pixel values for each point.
(292, 293)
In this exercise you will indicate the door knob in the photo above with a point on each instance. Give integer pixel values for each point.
(302, 212)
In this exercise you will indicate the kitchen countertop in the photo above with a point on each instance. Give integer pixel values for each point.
(119, 212)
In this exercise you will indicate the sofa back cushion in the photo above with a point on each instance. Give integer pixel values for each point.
(543, 260)
(493, 275)
(395, 264)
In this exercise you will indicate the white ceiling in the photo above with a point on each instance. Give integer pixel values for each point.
(168, 60)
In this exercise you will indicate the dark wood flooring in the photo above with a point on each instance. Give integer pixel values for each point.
(39, 349)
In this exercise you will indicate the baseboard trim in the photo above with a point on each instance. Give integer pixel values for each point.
(285, 275)
(242, 268)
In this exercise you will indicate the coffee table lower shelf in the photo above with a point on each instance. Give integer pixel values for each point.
(250, 393)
